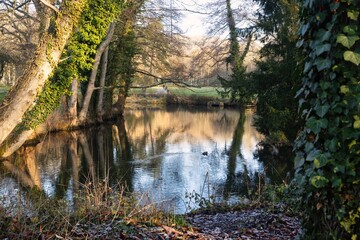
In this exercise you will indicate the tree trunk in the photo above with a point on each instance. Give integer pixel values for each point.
(99, 107)
(120, 103)
(75, 160)
(234, 44)
(23, 94)
(72, 104)
(91, 84)
(14, 143)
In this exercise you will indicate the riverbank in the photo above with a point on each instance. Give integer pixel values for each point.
(253, 221)
(101, 212)
(160, 101)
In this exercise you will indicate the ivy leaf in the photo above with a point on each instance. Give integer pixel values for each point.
(322, 63)
(309, 146)
(319, 181)
(323, 48)
(299, 162)
(331, 145)
(350, 29)
(299, 43)
(357, 124)
(353, 57)
(307, 66)
(320, 161)
(347, 41)
(325, 85)
(353, 14)
(339, 168)
(316, 125)
(344, 89)
(312, 155)
(323, 35)
(321, 110)
(337, 183)
(304, 28)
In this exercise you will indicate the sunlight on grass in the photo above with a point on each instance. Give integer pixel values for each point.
(96, 204)
(180, 91)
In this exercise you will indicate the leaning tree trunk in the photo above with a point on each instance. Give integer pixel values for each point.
(46, 58)
(14, 143)
(91, 84)
(100, 103)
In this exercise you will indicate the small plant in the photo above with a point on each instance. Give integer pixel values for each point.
(197, 200)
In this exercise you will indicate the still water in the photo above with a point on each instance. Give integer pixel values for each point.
(166, 154)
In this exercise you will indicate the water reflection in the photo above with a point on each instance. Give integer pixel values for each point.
(157, 151)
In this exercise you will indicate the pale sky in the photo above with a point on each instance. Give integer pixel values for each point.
(194, 24)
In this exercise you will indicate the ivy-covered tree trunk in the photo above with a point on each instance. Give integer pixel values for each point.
(234, 56)
(328, 149)
(47, 56)
(77, 62)
(236, 86)
(121, 64)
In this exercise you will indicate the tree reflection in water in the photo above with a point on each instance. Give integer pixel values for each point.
(155, 151)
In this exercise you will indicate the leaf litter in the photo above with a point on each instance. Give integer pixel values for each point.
(257, 223)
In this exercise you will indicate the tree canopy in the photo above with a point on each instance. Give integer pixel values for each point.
(276, 77)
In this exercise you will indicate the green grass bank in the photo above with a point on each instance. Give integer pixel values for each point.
(159, 96)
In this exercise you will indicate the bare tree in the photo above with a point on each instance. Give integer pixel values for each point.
(19, 27)
(225, 40)
(160, 41)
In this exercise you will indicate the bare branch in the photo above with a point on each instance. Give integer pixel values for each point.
(178, 82)
(50, 6)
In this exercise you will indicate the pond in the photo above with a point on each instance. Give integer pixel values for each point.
(171, 155)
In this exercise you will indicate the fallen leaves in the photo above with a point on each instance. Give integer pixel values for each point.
(247, 224)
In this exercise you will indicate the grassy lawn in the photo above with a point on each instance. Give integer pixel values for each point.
(191, 91)
(179, 91)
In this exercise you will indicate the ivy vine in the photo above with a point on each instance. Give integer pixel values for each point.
(79, 56)
(328, 149)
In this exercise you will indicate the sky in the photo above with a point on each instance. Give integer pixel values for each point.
(194, 24)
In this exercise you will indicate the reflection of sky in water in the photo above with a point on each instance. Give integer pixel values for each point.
(183, 169)
(10, 189)
(167, 157)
